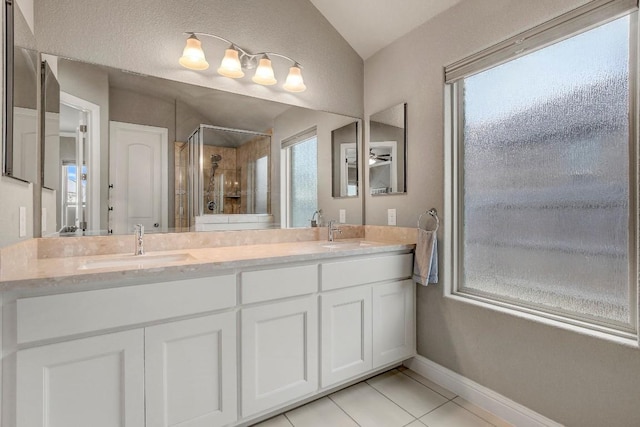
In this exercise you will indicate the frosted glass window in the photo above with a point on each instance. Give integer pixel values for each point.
(545, 178)
(303, 182)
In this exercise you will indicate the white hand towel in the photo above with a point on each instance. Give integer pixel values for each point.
(425, 260)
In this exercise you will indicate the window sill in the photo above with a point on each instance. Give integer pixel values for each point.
(618, 337)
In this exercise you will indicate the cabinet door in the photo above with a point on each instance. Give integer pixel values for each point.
(190, 372)
(346, 334)
(279, 353)
(97, 382)
(393, 322)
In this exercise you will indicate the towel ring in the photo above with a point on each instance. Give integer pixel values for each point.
(434, 213)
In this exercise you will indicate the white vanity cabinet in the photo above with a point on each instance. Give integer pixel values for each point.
(394, 322)
(368, 316)
(191, 372)
(217, 351)
(185, 370)
(346, 334)
(279, 338)
(96, 381)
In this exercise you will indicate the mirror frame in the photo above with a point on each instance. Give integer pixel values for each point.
(7, 99)
(404, 158)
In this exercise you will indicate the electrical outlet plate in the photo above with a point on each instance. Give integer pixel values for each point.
(391, 217)
(343, 216)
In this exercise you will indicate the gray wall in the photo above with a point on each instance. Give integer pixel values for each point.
(147, 37)
(571, 378)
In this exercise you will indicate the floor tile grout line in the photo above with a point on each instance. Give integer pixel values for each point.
(388, 398)
(343, 410)
(437, 407)
(424, 385)
(287, 418)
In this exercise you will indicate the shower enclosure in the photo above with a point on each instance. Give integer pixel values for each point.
(228, 173)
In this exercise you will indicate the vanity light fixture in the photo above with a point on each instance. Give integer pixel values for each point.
(237, 59)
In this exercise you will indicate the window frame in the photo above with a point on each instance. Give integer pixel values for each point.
(565, 26)
(285, 157)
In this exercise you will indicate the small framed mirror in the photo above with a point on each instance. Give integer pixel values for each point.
(388, 151)
(344, 160)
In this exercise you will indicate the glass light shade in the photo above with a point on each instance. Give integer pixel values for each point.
(264, 73)
(294, 81)
(372, 161)
(230, 65)
(193, 56)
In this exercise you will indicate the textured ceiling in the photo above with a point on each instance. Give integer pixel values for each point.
(370, 25)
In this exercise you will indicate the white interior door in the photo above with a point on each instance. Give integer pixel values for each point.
(139, 175)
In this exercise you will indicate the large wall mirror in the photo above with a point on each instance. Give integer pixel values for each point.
(388, 151)
(123, 148)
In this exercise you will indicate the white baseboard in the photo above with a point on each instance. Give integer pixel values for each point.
(479, 395)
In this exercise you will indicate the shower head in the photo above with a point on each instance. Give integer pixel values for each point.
(216, 157)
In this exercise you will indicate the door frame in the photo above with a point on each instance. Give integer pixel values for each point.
(92, 156)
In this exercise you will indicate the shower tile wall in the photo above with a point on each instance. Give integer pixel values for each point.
(226, 168)
(181, 197)
(234, 168)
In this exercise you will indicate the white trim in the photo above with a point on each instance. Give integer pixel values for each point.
(93, 155)
(479, 395)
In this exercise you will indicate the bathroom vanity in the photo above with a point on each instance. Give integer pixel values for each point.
(202, 336)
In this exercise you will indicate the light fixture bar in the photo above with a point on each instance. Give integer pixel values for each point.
(236, 59)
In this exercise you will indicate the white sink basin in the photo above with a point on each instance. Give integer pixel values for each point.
(139, 261)
(346, 244)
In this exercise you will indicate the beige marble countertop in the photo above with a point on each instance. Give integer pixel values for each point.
(175, 264)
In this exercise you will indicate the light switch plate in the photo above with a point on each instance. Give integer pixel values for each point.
(343, 216)
(391, 217)
(23, 221)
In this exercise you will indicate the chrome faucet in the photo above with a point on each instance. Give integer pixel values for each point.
(139, 234)
(317, 222)
(332, 229)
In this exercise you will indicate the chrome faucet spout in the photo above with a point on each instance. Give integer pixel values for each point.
(139, 235)
(332, 229)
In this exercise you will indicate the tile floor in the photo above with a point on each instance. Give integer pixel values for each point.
(397, 398)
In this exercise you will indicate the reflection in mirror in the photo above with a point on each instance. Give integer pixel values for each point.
(229, 174)
(388, 150)
(22, 127)
(102, 108)
(344, 159)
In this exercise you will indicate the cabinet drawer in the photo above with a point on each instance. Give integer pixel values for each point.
(61, 315)
(343, 274)
(266, 285)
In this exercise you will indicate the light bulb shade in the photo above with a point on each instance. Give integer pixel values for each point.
(264, 73)
(230, 65)
(193, 56)
(294, 81)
